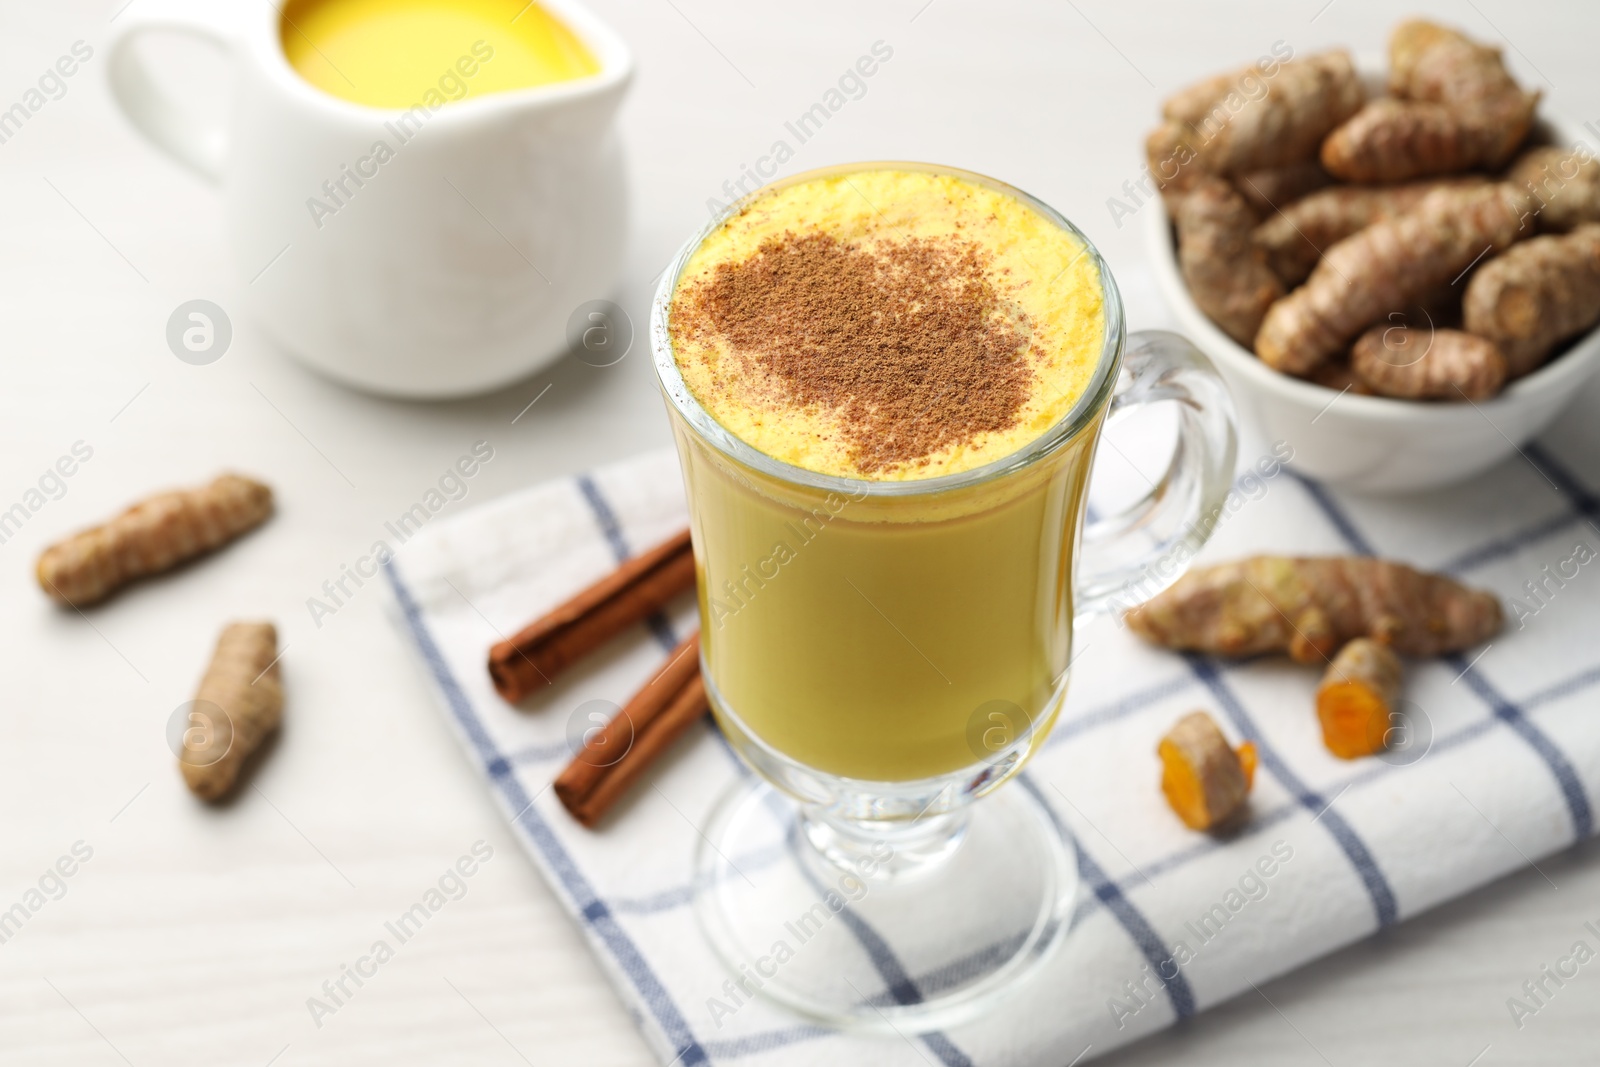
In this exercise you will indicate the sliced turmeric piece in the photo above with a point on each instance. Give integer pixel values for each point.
(1385, 268)
(1358, 698)
(1226, 272)
(1312, 607)
(1420, 364)
(1205, 781)
(150, 537)
(1453, 107)
(241, 700)
(1536, 295)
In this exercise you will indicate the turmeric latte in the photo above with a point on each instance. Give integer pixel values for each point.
(405, 53)
(888, 325)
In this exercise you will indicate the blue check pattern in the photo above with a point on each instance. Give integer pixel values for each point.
(1526, 700)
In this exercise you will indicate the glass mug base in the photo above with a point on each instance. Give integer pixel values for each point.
(835, 926)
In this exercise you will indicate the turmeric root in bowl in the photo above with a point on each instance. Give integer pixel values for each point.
(1400, 336)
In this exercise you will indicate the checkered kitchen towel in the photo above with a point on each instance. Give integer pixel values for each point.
(1332, 852)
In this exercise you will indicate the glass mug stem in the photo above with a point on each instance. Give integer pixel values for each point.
(885, 850)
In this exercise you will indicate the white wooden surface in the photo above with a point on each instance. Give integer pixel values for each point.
(195, 936)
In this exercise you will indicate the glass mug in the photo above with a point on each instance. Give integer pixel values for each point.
(884, 653)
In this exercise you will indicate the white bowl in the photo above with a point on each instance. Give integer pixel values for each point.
(1377, 444)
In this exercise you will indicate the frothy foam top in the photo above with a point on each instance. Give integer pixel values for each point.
(888, 325)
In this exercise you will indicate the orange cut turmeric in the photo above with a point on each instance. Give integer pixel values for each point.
(1358, 699)
(1206, 781)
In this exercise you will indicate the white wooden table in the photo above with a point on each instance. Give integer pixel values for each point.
(195, 936)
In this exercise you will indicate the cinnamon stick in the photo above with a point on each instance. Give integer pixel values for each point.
(614, 758)
(637, 589)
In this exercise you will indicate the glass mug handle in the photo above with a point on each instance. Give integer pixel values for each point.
(1127, 558)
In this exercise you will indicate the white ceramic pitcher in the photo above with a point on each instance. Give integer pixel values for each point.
(445, 263)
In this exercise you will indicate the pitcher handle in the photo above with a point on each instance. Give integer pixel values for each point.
(1129, 557)
(200, 144)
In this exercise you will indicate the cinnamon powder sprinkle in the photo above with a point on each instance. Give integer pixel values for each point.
(910, 344)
